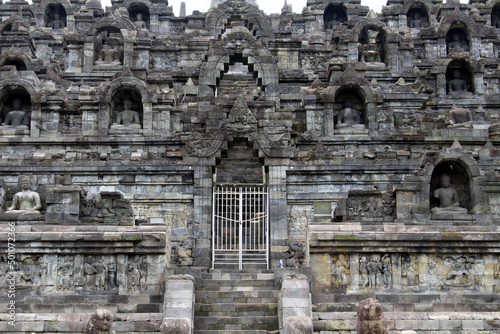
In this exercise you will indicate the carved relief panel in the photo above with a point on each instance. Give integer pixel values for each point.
(408, 273)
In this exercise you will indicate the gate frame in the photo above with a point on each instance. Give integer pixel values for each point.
(263, 190)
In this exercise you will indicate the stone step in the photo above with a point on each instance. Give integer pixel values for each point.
(421, 322)
(257, 296)
(426, 300)
(252, 276)
(85, 303)
(236, 309)
(231, 332)
(268, 323)
(237, 285)
(413, 307)
(77, 322)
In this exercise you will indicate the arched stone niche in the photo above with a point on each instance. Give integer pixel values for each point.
(108, 47)
(113, 95)
(414, 198)
(495, 16)
(492, 7)
(140, 15)
(55, 16)
(114, 34)
(334, 15)
(457, 39)
(16, 111)
(14, 25)
(459, 33)
(349, 109)
(372, 45)
(459, 77)
(22, 62)
(126, 108)
(460, 181)
(238, 13)
(372, 42)
(16, 62)
(239, 46)
(417, 16)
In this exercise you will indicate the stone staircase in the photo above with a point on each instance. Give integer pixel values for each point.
(232, 301)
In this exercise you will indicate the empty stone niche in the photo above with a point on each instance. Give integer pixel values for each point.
(372, 45)
(334, 15)
(459, 179)
(18, 63)
(15, 112)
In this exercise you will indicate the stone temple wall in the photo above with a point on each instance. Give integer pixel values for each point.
(125, 120)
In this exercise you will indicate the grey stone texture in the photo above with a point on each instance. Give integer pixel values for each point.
(295, 305)
(239, 98)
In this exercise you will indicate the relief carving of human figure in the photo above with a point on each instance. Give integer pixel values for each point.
(449, 202)
(26, 200)
(340, 271)
(363, 271)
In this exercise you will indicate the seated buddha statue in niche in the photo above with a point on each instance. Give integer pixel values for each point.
(127, 118)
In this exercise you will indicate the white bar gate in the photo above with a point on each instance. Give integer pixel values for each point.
(240, 230)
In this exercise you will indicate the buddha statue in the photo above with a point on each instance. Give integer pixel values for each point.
(457, 41)
(449, 202)
(457, 84)
(459, 117)
(17, 118)
(139, 22)
(127, 118)
(333, 21)
(416, 21)
(108, 56)
(56, 22)
(25, 200)
(349, 117)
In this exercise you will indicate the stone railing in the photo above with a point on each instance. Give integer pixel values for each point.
(178, 307)
(295, 308)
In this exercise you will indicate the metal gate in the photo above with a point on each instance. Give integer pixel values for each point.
(240, 231)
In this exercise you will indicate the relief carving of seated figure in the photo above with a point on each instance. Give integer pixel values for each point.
(457, 84)
(128, 118)
(449, 202)
(56, 22)
(459, 117)
(17, 118)
(108, 56)
(349, 117)
(139, 23)
(25, 200)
